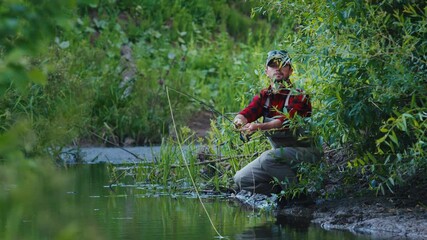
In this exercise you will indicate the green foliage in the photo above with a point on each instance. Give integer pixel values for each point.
(364, 64)
(184, 45)
(33, 118)
(223, 142)
(310, 179)
(25, 32)
(211, 162)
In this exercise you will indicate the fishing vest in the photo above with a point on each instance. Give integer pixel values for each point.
(285, 138)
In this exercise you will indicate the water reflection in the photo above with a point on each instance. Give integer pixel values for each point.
(266, 231)
(147, 212)
(292, 228)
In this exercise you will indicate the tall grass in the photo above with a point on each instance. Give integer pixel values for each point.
(212, 162)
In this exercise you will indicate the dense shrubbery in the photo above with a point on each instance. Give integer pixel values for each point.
(34, 113)
(366, 67)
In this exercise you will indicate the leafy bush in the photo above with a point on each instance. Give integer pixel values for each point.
(364, 64)
(32, 118)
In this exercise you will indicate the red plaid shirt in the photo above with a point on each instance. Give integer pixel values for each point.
(293, 100)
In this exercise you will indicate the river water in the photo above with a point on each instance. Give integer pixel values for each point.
(148, 212)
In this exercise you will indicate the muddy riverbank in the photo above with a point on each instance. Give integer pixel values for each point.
(379, 217)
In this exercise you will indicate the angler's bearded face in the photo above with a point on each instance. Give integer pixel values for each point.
(278, 73)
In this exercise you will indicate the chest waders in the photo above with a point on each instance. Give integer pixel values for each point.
(282, 138)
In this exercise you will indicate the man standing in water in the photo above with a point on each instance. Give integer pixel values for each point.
(277, 104)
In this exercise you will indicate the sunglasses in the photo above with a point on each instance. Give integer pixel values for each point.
(275, 63)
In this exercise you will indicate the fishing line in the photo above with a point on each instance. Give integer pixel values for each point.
(201, 102)
(188, 169)
(243, 137)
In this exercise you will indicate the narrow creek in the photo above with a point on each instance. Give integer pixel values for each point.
(147, 212)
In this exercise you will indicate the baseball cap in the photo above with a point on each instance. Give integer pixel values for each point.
(281, 55)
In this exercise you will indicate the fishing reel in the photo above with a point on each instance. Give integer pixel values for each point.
(245, 137)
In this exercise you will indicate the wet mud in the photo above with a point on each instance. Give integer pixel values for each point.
(376, 217)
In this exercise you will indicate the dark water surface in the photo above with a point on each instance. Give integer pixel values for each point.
(136, 212)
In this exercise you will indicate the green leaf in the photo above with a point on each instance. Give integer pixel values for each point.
(391, 120)
(37, 76)
(372, 158)
(415, 122)
(393, 137)
(381, 140)
(391, 180)
(383, 130)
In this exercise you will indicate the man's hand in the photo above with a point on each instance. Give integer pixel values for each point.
(239, 121)
(247, 130)
(250, 128)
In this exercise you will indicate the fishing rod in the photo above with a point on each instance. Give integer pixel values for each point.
(210, 107)
(117, 146)
(110, 142)
(244, 137)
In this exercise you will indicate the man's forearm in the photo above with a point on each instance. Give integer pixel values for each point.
(268, 125)
(271, 125)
